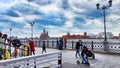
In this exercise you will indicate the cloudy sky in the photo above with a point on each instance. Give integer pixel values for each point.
(57, 16)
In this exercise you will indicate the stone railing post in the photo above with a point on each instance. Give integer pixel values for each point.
(105, 44)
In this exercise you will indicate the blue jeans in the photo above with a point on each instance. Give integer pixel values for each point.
(84, 59)
(77, 52)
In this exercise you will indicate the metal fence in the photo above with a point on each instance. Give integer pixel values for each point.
(95, 45)
(33, 61)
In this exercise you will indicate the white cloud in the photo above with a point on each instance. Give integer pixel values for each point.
(15, 19)
(96, 23)
(68, 24)
(53, 7)
(10, 3)
(31, 17)
(69, 15)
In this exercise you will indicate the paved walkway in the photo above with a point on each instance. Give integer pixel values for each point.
(100, 61)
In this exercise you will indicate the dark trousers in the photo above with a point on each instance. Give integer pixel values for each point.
(32, 52)
(60, 47)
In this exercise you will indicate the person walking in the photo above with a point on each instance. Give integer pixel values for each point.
(32, 47)
(57, 43)
(65, 41)
(61, 44)
(43, 47)
(77, 47)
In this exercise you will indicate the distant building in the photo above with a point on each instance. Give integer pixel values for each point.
(102, 35)
(44, 34)
(92, 36)
(75, 36)
(117, 37)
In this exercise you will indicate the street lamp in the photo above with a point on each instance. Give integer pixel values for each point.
(10, 41)
(104, 7)
(32, 24)
(10, 32)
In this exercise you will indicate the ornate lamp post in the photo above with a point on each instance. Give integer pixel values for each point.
(32, 24)
(104, 7)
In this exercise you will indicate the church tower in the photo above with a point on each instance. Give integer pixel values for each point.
(44, 34)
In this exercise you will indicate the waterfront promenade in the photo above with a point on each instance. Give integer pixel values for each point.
(100, 61)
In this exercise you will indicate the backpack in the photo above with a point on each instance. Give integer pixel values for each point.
(16, 43)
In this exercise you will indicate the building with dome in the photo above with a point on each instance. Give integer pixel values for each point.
(44, 34)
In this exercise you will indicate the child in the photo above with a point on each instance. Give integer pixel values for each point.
(15, 53)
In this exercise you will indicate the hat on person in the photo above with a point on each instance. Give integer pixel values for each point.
(84, 47)
(4, 35)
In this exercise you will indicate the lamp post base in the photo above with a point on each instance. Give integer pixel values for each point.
(106, 48)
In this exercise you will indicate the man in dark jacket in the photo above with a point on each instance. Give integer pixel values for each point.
(77, 47)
